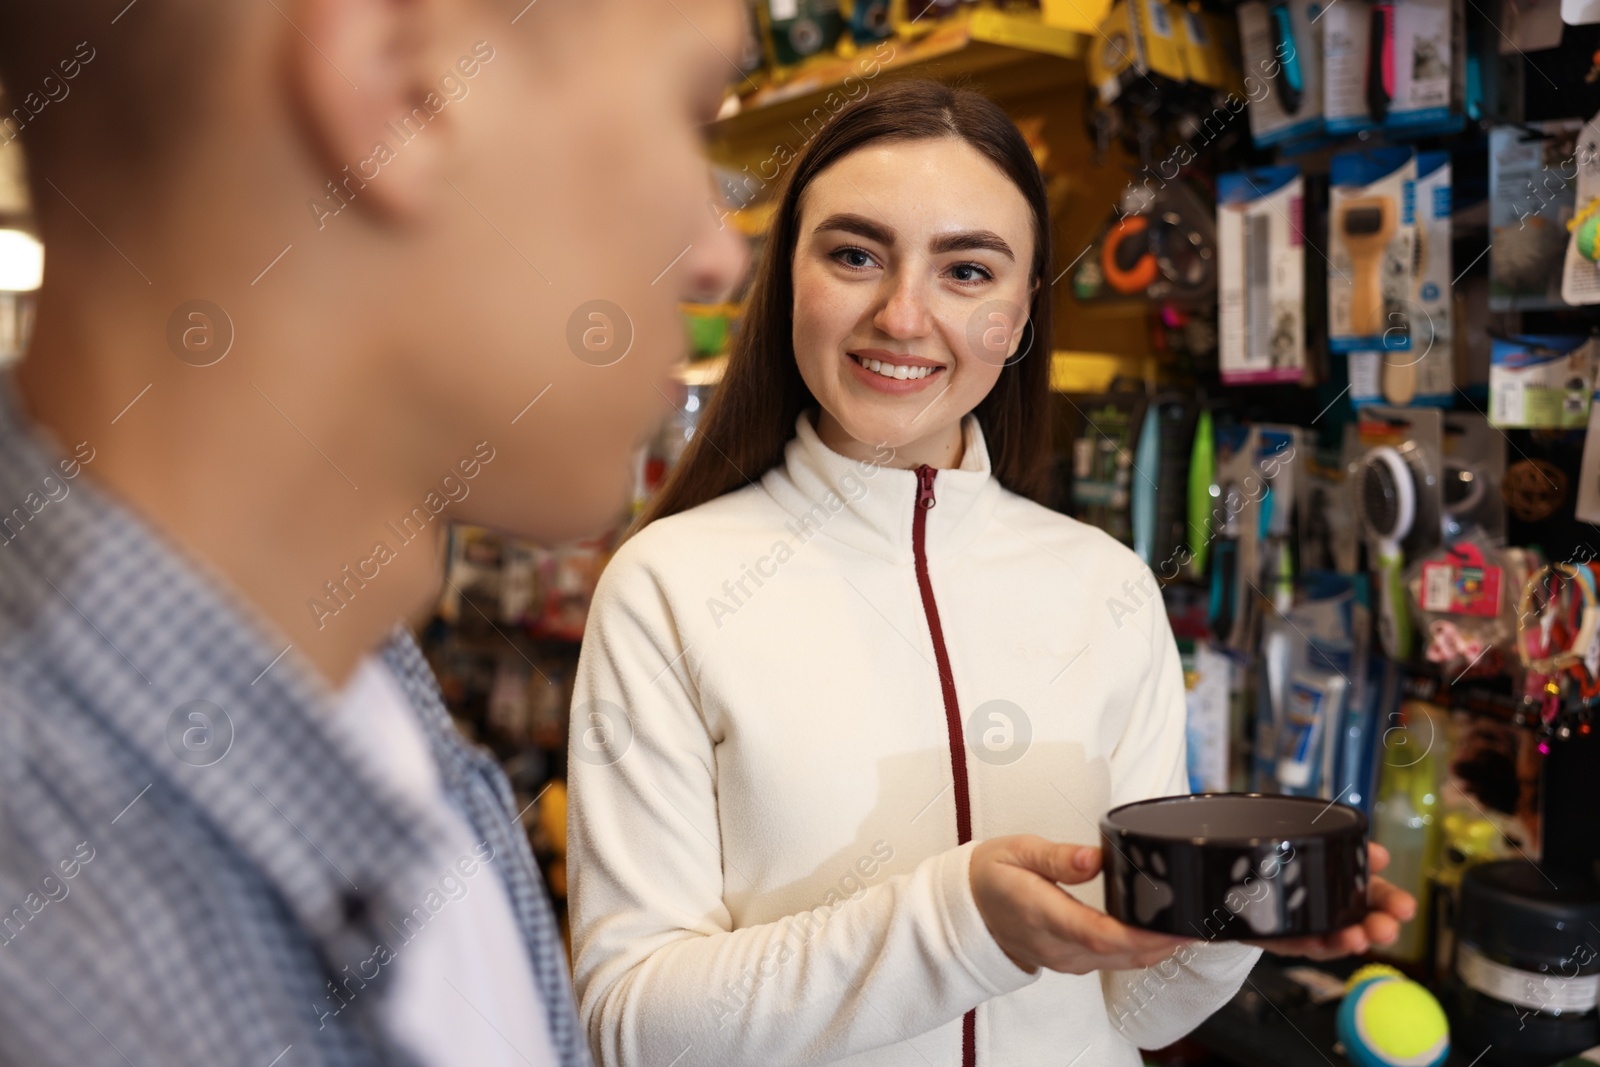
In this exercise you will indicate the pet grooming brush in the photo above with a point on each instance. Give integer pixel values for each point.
(1366, 224)
(1258, 290)
(1400, 370)
(1387, 503)
(1400, 377)
(1291, 81)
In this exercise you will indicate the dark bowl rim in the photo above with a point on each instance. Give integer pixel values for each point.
(1359, 830)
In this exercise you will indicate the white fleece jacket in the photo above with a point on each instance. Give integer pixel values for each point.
(764, 823)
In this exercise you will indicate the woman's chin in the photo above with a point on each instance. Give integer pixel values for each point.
(873, 423)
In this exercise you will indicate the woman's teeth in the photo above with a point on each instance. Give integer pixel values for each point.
(893, 370)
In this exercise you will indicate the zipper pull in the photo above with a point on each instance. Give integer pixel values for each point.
(925, 475)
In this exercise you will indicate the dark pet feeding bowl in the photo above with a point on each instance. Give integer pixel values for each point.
(1235, 866)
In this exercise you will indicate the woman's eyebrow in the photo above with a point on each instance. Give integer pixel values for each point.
(859, 225)
(965, 240)
(968, 240)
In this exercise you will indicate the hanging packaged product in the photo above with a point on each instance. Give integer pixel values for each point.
(868, 19)
(1105, 432)
(1397, 495)
(1261, 265)
(1310, 659)
(797, 29)
(1201, 36)
(1431, 310)
(1580, 274)
(1161, 471)
(1589, 472)
(1371, 250)
(1351, 79)
(1328, 535)
(1162, 37)
(1138, 47)
(1282, 47)
(1426, 373)
(1220, 520)
(1262, 475)
(1208, 682)
(1468, 621)
(1532, 195)
(1390, 65)
(1279, 456)
(1422, 55)
(1541, 382)
(1158, 244)
(1474, 471)
(1580, 12)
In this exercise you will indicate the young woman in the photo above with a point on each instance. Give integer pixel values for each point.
(851, 702)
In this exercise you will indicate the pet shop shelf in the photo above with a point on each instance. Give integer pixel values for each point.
(1010, 53)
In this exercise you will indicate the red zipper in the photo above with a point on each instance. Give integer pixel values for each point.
(952, 711)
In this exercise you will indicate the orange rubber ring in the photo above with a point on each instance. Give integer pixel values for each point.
(1143, 274)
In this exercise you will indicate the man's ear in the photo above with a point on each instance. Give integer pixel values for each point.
(365, 80)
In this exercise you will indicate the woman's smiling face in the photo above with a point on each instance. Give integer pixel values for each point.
(911, 291)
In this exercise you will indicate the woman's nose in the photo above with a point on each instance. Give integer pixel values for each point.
(905, 312)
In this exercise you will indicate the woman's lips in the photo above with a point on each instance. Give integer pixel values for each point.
(896, 386)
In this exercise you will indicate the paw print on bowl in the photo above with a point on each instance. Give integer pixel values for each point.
(1268, 903)
(1150, 897)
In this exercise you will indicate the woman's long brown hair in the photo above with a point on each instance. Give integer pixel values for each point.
(751, 416)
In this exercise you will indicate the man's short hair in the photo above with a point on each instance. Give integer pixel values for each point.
(104, 83)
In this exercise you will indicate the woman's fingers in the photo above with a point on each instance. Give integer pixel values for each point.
(1380, 928)
(1057, 861)
(1384, 896)
(1104, 936)
(1377, 857)
(1075, 937)
(1017, 883)
(1389, 906)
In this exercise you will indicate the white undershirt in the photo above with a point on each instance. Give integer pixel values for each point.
(463, 990)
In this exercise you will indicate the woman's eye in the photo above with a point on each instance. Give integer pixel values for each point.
(855, 258)
(970, 272)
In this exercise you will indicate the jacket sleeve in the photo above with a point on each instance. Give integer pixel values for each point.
(661, 974)
(1155, 1006)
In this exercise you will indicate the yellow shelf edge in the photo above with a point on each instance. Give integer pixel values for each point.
(1023, 34)
(1028, 34)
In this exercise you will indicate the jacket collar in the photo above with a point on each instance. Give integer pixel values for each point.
(98, 609)
(869, 504)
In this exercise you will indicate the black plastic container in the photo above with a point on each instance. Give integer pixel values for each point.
(1232, 866)
(1526, 972)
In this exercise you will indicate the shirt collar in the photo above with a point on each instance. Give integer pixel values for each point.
(194, 694)
(869, 505)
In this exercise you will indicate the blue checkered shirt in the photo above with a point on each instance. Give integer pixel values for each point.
(192, 871)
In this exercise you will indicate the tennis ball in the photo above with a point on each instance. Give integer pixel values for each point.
(1587, 231)
(1387, 1020)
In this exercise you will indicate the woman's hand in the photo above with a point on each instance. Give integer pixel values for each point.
(1390, 906)
(1040, 925)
